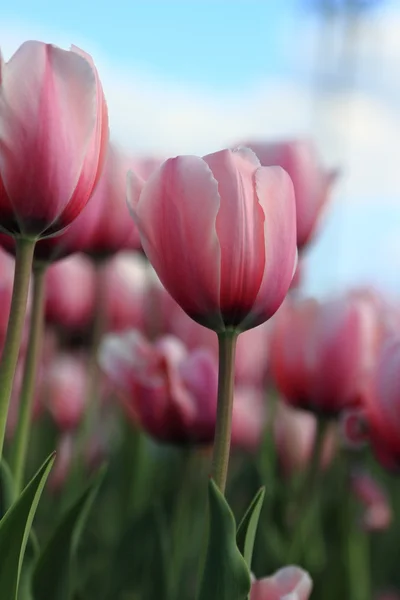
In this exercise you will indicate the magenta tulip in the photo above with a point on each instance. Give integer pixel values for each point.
(220, 232)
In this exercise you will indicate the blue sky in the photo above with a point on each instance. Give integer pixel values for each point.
(193, 76)
(208, 41)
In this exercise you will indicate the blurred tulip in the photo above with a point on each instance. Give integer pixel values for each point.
(252, 357)
(248, 418)
(70, 292)
(312, 183)
(66, 389)
(322, 354)
(113, 230)
(230, 264)
(380, 414)
(126, 292)
(53, 137)
(294, 435)
(170, 392)
(370, 493)
(289, 583)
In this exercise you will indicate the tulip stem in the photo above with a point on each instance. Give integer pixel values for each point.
(223, 426)
(23, 266)
(308, 498)
(21, 439)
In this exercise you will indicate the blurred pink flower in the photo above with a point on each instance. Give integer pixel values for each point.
(114, 230)
(66, 390)
(370, 493)
(170, 392)
(126, 285)
(322, 354)
(380, 415)
(248, 418)
(70, 292)
(229, 264)
(294, 434)
(312, 183)
(289, 583)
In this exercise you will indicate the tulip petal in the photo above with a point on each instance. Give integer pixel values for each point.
(240, 229)
(95, 156)
(276, 197)
(47, 118)
(288, 583)
(176, 215)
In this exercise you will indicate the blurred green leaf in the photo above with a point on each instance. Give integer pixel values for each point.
(7, 490)
(246, 533)
(226, 576)
(53, 573)
(15, 527)
(139, 565)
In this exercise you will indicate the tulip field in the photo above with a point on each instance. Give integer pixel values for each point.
(179, 418)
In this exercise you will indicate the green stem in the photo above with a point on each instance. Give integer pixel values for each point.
(307, 497)
(94, 379)
(21, 439)
(23, 266)
(356, 546)
(223, 426)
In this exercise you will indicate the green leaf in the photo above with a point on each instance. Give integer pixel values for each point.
(139, 568)
(226, 575)
(7, 490)
(52, 577)
(247, 529)
(15, 527)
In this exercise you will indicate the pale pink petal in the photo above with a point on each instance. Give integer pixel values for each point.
(289, 583)
(95, 157)
(276, 197)
(240, 229)
(47, 118)
(176, 216)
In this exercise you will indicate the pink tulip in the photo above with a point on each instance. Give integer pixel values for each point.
(171, 393)
(70, 292)
(380, 413)
(294, 435)
(66, 389)
(220, 232)
(248, 418)
(322, 354)
(377, 514)
(114, 230)
(252, 356)
(53, 138)
(312, 183)
(289, 583)
(126, 292)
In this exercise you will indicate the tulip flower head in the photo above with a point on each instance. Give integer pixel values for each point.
(380, 413)
(322, 353)
(220, 232)
(53, 138)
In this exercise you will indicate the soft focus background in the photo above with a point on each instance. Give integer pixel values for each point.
(195, 76)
